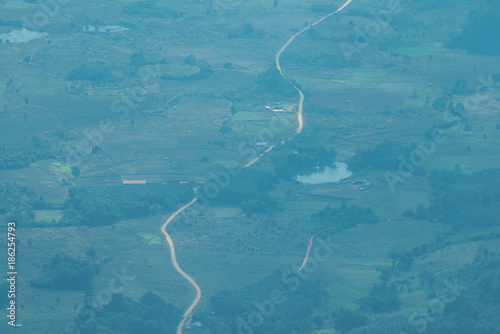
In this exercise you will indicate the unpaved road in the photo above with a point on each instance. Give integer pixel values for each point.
(170, 242)
(178, 268)
(307, 253)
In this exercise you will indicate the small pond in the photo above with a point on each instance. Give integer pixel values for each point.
(326, 175)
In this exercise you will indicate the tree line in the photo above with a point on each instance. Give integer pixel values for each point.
(66, 273)
(246, 186)
(307, 154)
(477, 35)
(16, 158)
(290, 307)
(148, 314)
(464, 201)
(330, 220)
(108, 204)
(18, 202)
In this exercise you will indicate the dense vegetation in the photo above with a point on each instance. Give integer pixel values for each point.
(331, 220)
(262, 205)
(382, 298)
(245, 31)
(17, 202)
(97, 72)
(467, 200)
(307, 153)
(124, 315)
(293, 313)
(15, 158)
(474, 310)
(272, 81)
(65, 273)
(382, 324)
(248, 185)
(477, 36)
(109, 204)
(346, 319)
(470, 308)
(387, 155)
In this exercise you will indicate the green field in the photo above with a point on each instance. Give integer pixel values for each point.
(152, 239)
(47, 216)
(173, 70)
(368, 75)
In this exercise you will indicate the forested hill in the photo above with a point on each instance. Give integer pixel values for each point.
(17, 202)
(480, 33)
(15, 158)
(467, 200)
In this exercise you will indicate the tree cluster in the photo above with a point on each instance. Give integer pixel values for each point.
(245, 31)
(109, 204)
(18, 202)
(333, 219)
(262, 205)
(467, 200)
(65, 273)
(15, 158)
(387, 155)
(97, 72)
(248, 185)
(272, 81)
(477, 35)
(307, 154)
(149, 314)
(382, 298)
(294, 314)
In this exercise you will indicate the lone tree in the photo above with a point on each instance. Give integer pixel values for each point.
(75, 171)
(233, 110)
(190, 60)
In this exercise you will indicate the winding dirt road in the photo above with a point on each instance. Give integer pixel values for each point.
(307, 253)
(178, 268)
(170, 242)
(286, 45)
